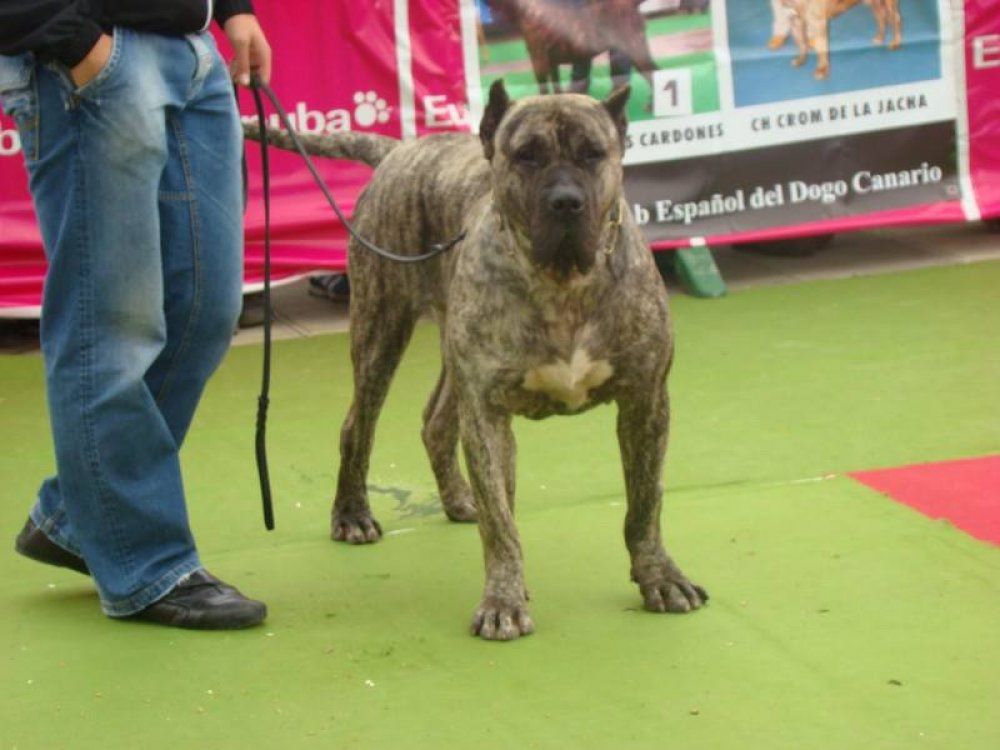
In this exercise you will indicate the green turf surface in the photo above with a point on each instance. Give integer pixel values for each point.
(825, 594)
(704, 83)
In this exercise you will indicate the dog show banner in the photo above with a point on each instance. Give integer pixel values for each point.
(750, 120)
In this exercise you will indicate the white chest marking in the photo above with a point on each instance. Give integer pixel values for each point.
(571, 381)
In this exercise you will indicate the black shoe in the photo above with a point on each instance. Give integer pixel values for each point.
(32, 542)
(203, 602)
(335, 287)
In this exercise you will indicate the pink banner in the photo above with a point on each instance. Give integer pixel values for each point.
(982, 75)
(335, 69)
(405, 68)
(22, 263)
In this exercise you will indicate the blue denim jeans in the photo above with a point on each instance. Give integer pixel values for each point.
(136, 183)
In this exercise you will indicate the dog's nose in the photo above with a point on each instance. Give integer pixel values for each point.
(566, 200)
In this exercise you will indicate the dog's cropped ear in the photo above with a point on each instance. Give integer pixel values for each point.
(497, 106)
(615, 105)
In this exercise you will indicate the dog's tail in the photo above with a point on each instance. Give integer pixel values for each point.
(368, 148)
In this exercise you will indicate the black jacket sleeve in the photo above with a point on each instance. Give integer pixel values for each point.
(57, 29)
(225, 9)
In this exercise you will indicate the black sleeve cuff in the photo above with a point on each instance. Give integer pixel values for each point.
(226, 9)
(74, 49)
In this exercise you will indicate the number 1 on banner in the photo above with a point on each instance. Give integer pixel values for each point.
(672, 92)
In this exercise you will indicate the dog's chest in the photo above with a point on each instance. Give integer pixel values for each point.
(568, 381)
(567, 364)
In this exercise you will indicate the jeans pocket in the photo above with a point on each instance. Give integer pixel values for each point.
(19, 99)
(92, 88)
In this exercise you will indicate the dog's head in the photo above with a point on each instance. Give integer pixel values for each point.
(557, 171)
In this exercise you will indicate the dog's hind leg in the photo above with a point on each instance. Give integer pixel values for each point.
(440, 435)
(881, 13)
(379, 335)
(892, 10)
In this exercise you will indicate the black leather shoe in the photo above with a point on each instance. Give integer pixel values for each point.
(203, 602)
(32, 542)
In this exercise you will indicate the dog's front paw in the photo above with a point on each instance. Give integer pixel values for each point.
(672, 592)
(497, 620)
(355, 528)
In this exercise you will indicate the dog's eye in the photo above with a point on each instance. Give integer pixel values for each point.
(591, 154)
(528, 156)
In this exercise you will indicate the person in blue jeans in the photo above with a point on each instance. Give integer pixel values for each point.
(132, 143)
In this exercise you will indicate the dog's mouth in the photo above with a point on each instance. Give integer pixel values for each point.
(563, 250)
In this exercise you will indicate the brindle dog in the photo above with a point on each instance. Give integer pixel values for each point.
(551, 305)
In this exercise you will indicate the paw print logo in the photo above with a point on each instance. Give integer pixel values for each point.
(369, 109)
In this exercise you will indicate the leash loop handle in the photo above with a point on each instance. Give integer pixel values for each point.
(260, 438)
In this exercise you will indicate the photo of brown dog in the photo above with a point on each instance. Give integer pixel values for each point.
(573, 32)
(809, 24)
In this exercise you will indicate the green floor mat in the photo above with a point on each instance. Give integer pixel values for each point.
(838, 619)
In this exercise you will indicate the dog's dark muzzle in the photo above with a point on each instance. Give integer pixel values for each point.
(563, 247)
(564, 199)
(563, 232)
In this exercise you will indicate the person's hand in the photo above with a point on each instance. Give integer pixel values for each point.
(87, 69)
(251, 52)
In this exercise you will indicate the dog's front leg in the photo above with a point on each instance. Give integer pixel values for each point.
(489, 454)
(643, 421)
(818, 33)
(881, 16)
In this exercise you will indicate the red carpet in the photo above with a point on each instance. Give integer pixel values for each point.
(966, 492)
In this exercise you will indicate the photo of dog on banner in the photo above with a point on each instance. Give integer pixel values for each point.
(594, 46)
(807, 21)
(854, 45)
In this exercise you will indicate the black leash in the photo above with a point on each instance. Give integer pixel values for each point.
(263, 401)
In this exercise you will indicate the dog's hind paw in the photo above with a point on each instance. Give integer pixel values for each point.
(460, 507)
(674, 594)
(499, 621)
(355, 529)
